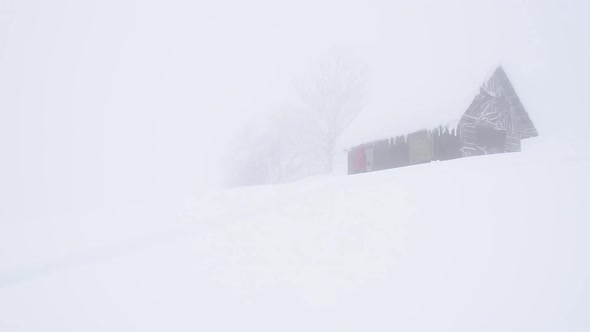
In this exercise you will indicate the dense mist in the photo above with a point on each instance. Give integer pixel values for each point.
(105, 103)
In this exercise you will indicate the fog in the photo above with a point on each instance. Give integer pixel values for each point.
(108, 103)
(121, 122)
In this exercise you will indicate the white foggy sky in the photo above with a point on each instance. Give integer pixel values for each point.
(107, 102)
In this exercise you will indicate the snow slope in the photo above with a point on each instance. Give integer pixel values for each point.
(493, 243)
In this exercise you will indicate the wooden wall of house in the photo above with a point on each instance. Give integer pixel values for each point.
(382, 156)
(416, 148)
(399, 151)
(477, 140)
(446, 144)
(513, 142)
(420, 147)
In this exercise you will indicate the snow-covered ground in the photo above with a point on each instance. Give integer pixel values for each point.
(493, 243)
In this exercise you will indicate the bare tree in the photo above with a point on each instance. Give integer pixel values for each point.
(332, 97)
(301, 139)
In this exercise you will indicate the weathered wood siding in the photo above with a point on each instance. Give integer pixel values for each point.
(496, 106)
(419, 147)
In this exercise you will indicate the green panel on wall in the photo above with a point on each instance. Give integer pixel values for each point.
(420, 147)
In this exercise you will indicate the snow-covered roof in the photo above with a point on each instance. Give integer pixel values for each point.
(402, 115)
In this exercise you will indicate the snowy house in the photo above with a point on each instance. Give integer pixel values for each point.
(495, 122)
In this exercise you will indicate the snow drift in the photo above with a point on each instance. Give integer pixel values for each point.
(491, 243)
